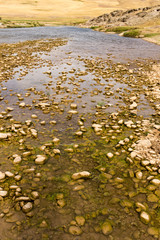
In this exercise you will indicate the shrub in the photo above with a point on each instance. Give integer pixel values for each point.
(133, 33)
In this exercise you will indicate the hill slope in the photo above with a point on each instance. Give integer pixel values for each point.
(49, 9)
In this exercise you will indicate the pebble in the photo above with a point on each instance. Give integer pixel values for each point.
(2, 175)
(40, 159)
(27, 207)
(80, 220)
(80, 175)
(3, 136)
(110, 155)
(145, 217)
(75, 230)
(155, 181)
(3, 193)
(106, 228)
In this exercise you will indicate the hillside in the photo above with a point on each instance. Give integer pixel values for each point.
(51, 9)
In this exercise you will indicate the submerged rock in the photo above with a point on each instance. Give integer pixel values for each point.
(74, 230)
(79, 175)
(40, 159)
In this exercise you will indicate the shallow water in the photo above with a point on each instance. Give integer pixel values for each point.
(87, 42)
(111, 193)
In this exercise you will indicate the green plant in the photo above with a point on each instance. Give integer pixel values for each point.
(132, 34)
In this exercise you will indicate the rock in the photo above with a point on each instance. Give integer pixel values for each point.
(2, 175)
(133, 154)
(133, 105)
(56, 151)
(79, 175)
(40, 159)
(144, 143)
(22, 104)
(61, 203)
(3, 136)
(27, 207)
(73, 106)
(55, 140)
(43, 224)
(79, 133)
(72, 112)
(9, 174)
(110, 155)
(74, 230)
(155, 181)
(3, 193)
(97, 127)
(34, 132)
(22, 198)
(80, 220)
(145, 217)
(139, 175)
(153, 231)
(17, 159)
(152, 198)
(35, 195)
(106, 228)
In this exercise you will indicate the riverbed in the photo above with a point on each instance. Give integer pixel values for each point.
(73, 103)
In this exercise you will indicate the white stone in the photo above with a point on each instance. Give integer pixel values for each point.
(40, 159)
(34, 132)
(22, 104)
(133, 154)
(3, 193)
(73, 106)
(56, 151)
(79, 175)
(2, 175)
(3, 135)
(145, 217)
(155, 181)
(9, 174)
(17, 159)
(109, 155)
(27, 207)
(139, 175)
(144, 143)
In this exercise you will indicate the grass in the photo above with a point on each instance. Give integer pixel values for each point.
(120, 29)
(151, 34)
(132, 34)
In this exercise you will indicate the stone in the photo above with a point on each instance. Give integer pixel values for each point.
(75, 230)
(80, 175)
(34, 132)
(73, 106)
(144, 143)
(3, 136)
(55, 140)
(43, 224)
(80, 220)
(40, 159)
(145, 217)
(152, 198)
(2, 175)
(22, 104)
(155, 181)
(56, 151)
(17, 159)
(9, 174)
(153, 231)
(27, 207)
(79, 133)
(3, 193)
(139, 175)
(106, 228)
(109, 155)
